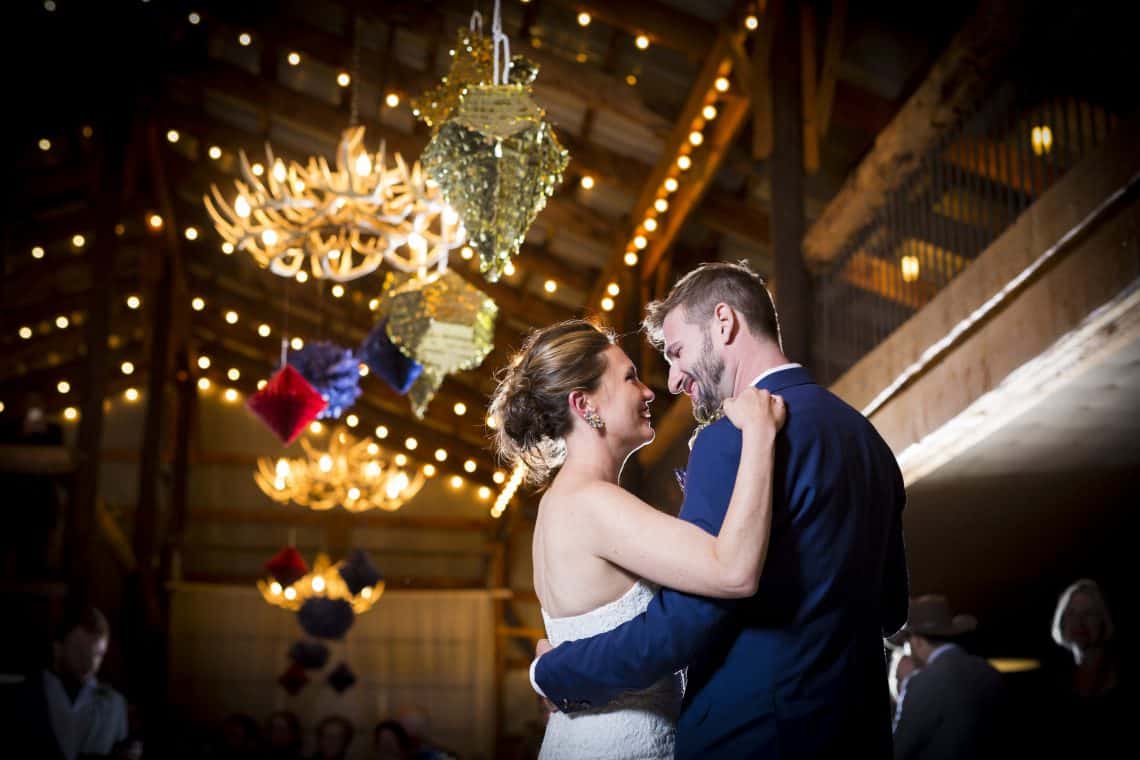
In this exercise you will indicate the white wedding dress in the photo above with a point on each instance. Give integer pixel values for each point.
(639, 725)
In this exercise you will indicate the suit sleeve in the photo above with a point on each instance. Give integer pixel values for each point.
(896, 582)
(918, 717)
(663, 639)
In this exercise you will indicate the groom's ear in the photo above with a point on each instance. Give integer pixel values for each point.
(726, 323)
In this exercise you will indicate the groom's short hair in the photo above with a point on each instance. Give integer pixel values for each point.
(711, 283)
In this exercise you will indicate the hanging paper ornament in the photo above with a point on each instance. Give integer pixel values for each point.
(471, 64)
(386, 360)
(424, 390)
(341, 678)
(293, 679)
(325, 618)
(287, 566)
(334, 373)
(310, 655)
(286, 404)
(442, 322)
(496, 160)
(359, 572)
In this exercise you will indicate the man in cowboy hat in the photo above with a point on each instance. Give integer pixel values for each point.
(952, 705)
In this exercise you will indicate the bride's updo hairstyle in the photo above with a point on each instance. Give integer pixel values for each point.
(529, 410)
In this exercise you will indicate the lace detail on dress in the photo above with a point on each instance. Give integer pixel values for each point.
(639, 724)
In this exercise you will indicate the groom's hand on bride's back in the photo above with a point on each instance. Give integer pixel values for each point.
(542, 647)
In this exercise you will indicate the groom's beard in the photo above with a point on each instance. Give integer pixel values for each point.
(708, 374)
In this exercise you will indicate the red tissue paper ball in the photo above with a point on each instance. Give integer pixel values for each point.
(286, 404)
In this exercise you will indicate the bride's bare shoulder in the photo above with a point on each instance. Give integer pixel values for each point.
(579, 495)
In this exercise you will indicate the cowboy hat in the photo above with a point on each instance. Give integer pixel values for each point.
(930, 616)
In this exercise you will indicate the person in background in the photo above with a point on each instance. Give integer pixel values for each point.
(334, 737)
(416, 722)
(241, 737)
(953, 704)
(283, 736)
(1093, 704)
(64, 711)
(390, 741)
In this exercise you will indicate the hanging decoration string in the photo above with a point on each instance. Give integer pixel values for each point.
(500, 42)
(354, 100)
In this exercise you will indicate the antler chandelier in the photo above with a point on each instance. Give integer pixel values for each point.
(356, 475)
(344, 220)
(324, 580)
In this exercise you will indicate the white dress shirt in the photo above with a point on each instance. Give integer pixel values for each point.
(92, 724)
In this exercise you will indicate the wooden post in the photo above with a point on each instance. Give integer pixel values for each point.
(790, 277)
(187, 405)
(82, 522)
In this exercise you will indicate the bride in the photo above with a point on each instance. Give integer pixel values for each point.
(571, 405)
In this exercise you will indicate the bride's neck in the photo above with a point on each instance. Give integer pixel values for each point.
(593, 459)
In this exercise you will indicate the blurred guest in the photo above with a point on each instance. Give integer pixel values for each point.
(417, 723)
(283, 736)
(953, 703)
(241, 737)
(334, 737)
(1093, 696)
(64, 711)
(28, 530)
(391, 742)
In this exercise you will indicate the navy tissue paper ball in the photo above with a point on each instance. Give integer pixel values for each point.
(386, 360)
(341, 678)
(333, 371)
(310, 655)
(358, 572)
(325, 618)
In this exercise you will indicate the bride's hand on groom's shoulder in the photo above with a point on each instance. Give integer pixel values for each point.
(757, 410)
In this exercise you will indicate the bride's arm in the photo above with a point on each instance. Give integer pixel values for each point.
(678, 554)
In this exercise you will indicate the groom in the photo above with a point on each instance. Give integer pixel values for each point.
(797, 670)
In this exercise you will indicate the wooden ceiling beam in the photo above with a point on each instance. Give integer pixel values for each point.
(689, 35)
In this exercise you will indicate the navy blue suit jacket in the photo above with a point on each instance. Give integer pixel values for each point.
(797, 670)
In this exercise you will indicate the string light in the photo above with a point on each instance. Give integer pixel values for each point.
(550, 286)
(234, 374)
(363, 370)
(587, 182)
(227, 248)
(127, 368)
(508, 491)
(294, 58)
(584, 19)
(203, 362)
(203, 383)
(71, 414)
(499, 477)
(261, 384)
(316, 428)
(696, 138)
(264, 330)
(194, 19)
(343, 79)
(296, 344)
(630, 259)
(751, 22)
(641, 41)
(392, 100)
(456, 482)
(721, 84)
(230, 395)
(671, 185)
(484, 493)
(400, 460)
(244, 39)
(191, 233)
(78, 241)
(466, 252)
(337, 290)
(63, 386)
(62, 322)
(302, 276)
(684, 162)
(257, 169)
(45, 144)
(131, 394)
(374, 304)
(352, 420)
(37, 252)
(441, 455)
(630, 79)
(607, 304)
(381, 432)
(661, 205)
(429, 470)
(411, 443)
(650, 224)
(133, 302)
(154, 221)
(509, 269)
(613, 289)
(469, 466)
(172, 136)
(198, 303)
(709, 112)
(639, 242)
(460, 409)
(232, 317)
(25, 332)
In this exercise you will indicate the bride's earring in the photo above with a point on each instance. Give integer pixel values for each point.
(593, 419)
